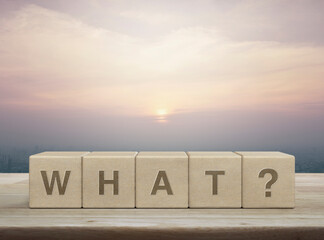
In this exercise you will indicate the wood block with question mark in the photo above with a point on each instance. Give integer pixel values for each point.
(268, 180)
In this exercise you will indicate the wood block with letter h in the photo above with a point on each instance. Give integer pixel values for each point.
(268, 180)
(55, 180)
(214, 180)
(162, 180)
(109, 180)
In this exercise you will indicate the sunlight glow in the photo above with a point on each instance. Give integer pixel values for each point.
(161, 115)
(161, 112)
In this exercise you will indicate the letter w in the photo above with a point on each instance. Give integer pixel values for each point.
(55, 177)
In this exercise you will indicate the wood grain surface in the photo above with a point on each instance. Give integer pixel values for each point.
(17, 221)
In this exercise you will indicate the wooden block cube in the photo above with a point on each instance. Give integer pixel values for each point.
(162, 180)
(55, 180)
(109, 180)
(268, 180)
(214, 180)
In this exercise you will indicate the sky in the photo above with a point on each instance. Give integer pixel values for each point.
(162, 75)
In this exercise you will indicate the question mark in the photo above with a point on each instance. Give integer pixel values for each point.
(274, 178)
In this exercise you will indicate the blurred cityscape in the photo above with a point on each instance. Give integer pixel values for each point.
(13, 160)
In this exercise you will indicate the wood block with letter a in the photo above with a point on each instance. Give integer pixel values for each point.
(268, 180)
(162, 180)
(55, 180)
(214, 180)
(109, 180)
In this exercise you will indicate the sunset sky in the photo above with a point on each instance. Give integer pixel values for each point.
(178, 75)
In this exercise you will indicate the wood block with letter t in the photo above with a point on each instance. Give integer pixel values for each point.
(109, 180)
(214, 180)
(55, 180)
(162, 180)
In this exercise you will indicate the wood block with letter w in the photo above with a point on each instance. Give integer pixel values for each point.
(55, 180)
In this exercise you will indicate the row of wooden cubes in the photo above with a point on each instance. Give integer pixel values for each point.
(162, 180)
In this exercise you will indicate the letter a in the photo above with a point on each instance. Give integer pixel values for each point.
(162, 175)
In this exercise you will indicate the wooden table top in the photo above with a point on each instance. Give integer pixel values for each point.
(306, 221)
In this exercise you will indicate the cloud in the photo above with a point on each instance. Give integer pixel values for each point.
(149, 18)
(53, 60)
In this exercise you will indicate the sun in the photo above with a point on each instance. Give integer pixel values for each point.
(161, 115)
(161, 112)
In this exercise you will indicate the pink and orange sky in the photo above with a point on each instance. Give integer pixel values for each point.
(162, 74)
